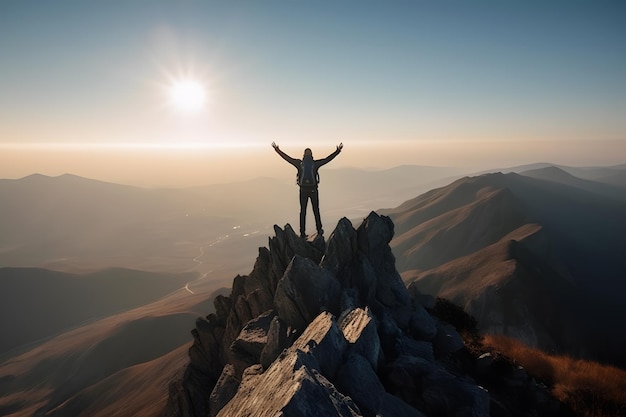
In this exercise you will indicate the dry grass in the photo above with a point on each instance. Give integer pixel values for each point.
(589, 388)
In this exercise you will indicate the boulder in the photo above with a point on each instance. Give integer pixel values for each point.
(247, 347)
(323, 339)
(446, 394)
(357, 379)
(373, 237)
(447, 340)
(293, 386)
(277, 341)
(421, 324)
(304, 290)
(341, 248)
(359, 329)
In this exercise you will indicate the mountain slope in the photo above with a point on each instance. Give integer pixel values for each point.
(457, 242)
(599, 186)
(584, 231)
(97, 359)
(38, 303)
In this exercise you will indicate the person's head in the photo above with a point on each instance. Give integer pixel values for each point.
(308, 153)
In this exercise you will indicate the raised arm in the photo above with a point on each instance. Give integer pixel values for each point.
(292, 161)
(330, 157)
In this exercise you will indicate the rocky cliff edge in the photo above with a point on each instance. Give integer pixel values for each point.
(328, 328)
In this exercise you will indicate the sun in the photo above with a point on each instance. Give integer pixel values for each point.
(187, 96)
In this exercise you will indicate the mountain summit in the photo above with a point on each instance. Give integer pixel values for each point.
(329, 329)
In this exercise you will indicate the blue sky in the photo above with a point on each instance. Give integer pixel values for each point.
(76, 72)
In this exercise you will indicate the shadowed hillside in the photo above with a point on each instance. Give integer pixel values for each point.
(38, 303)
(123, 362)
(522, 255)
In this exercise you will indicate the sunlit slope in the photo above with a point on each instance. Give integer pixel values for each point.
(584, 232)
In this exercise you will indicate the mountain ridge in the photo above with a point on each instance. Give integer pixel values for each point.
(574, 246)
(328, 328)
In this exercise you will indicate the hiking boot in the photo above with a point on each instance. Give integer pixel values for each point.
(320, 232)
(303, 236)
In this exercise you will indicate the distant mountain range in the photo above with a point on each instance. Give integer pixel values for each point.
(537, 256)
(73, 223)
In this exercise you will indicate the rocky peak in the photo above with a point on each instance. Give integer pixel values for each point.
(329, 329)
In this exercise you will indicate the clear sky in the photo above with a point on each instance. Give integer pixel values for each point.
(88, 84)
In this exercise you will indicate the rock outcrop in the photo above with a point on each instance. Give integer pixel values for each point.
(329, 329)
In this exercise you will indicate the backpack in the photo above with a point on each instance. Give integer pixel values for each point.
(309, 177)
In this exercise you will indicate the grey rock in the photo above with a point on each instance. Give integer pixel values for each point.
(292, 387)
(447, 340)
(484, 363)
(392, 406)
(204, 353)
(277, 341)
(445, 394)
(341, 247)
(417, 348)
(359, 329)
(323, 339)
(247, 347)
(425, 300)
(224, 390)
(422, 325)
(374, 235)
(357, 379)
(304, 290)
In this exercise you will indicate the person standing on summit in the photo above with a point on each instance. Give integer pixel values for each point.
(308, 180)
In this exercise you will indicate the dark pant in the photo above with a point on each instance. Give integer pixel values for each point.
(305, 194)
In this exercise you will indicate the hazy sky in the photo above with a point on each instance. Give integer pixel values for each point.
(84, 86)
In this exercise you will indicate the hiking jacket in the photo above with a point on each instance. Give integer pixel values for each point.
(317, 163)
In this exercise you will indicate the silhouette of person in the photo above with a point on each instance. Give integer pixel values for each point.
(308, 180)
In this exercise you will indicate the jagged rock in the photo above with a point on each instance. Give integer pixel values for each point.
(385, 356)
(305, 290)
(341, 248)
(222, 309)
(247, 347)
(204, 353)
(425, 300)
(445, 394)
(224, 390)
(359, 329)
(325, 341)
(447, 340)
(417, 348)
(368, 391)
(422, 325)
(283, 247)
(484, 363)
(392, 406)
(277, 341)
(373, 237)
(390, 335)
(403, 376)
(292, 387)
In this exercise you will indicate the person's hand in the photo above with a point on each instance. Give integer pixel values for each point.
(275, 146)
(340, 147)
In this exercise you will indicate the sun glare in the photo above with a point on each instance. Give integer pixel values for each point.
(187, 96)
